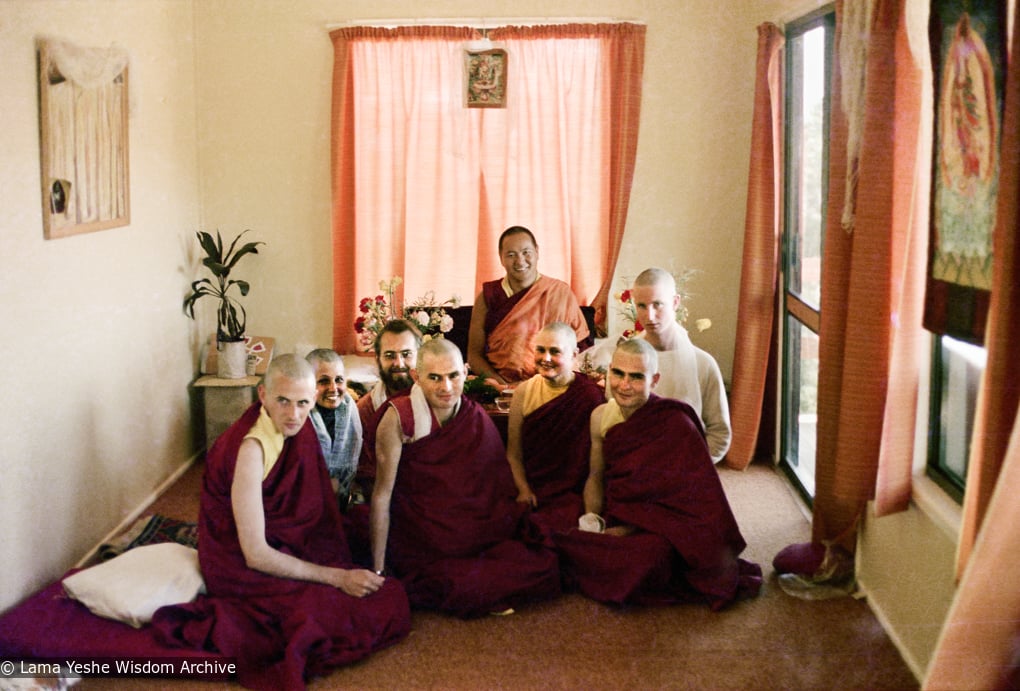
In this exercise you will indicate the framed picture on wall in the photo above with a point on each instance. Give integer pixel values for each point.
(969, 63)
(83, 114)
(485, 78)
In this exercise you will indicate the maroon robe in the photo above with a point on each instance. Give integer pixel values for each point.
(280, 630)
(659, 478)
(555, 445)
(458, 539)
(369, 422)
(355, 519)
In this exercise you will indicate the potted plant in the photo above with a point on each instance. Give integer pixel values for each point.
(230, 314)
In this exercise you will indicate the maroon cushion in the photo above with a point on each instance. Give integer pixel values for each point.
(803, 559)
(49, 624)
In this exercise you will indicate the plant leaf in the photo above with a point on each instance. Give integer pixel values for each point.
(208, 245)
(249, 248)
(217, 268)
(226, 257)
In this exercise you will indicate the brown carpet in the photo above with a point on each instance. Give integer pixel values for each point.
(773, 642)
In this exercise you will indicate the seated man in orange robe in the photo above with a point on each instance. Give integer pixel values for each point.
(283, 597)
(659, 528)
(509, 312)
(443, 515)
(548, 439)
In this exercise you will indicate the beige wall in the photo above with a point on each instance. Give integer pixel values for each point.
(94, 410)
(906, 569)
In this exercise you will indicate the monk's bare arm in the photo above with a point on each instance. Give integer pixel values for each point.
(479, 364)
(593, 488)
(249, 515)
(515, 452)
(389, 445)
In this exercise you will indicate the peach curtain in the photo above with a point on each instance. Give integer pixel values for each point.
(872, 289)
(756, 311)
(423, 186)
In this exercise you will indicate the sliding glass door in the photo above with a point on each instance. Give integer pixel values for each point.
(809, 50)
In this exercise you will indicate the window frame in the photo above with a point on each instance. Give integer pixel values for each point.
(793, 306)
(936, 466)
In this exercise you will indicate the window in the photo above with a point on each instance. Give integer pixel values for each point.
(809, 55)
(955, 378)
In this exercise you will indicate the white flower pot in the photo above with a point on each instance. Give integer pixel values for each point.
(231, 360)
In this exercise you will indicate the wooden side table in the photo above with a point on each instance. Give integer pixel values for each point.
(224, 400)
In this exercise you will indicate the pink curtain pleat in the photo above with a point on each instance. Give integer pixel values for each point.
(423, 186)
(869, 290)
(910, 340)
(977, 646)
(759, 268)
(342, 177)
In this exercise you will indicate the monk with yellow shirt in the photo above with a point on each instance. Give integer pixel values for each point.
(548, 440)
(283, 598)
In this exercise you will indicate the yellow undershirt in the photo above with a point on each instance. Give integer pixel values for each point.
(537, 392)
(611, 416)
(265, 433)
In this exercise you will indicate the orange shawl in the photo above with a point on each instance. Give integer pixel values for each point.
(510, 345)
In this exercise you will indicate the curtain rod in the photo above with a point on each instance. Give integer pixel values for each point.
(478, 22)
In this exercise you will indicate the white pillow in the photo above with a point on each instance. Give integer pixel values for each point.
(130, 587)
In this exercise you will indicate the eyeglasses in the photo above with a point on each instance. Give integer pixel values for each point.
(391, 355)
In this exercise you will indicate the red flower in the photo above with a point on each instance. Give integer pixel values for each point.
(638, 327)
(625, 296)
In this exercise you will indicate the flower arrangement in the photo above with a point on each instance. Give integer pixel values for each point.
(629, 310)
(430, 316)
(375, 312)
(425, 312)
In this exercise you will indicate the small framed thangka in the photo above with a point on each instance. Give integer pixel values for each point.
(83, 124)
(485, 78)
(969, 63)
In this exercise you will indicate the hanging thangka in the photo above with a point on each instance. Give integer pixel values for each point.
(968, 60)
(485, 78)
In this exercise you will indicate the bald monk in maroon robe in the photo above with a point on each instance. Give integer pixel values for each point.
(443, 515)
(548, 439)
(283, 599)
(659, 528)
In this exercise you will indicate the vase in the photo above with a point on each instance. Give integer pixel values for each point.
(232, 359)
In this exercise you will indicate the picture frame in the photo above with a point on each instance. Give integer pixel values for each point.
(485, 78)
(83, 126)
(968, 47)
